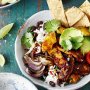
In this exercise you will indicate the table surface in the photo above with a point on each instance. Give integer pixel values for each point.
(18, 14)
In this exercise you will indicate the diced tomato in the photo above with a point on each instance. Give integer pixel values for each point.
(88, 57)
(51, 72)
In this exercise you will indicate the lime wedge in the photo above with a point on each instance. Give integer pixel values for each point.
(5, 30)
(3, 2)
(2, 60)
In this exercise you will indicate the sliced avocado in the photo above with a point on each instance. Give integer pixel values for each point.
(71, 38)
(27, 39)
(85, 48)
(71, 32)
(52, 25)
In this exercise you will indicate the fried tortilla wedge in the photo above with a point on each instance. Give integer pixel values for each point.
(85, 7)
(74, 15)
(85, 4)
(57, 11)
(84, 22)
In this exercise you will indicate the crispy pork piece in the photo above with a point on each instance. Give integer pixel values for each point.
(76, 54)
(85, 7)
(74, 78)
(81, 69)
(57, 11)
(54, 51)
(66, 70)
(65, 66)
(84, 22)
(73, 15)
(57, 57)
(49, 41)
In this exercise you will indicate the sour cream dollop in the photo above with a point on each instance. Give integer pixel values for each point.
(52, 75)
(40, 34)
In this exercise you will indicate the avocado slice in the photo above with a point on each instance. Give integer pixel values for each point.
(71, 38)
(85, 48)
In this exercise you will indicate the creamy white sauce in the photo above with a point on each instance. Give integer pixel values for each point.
(38, 49)
(52, 77)
(41, 34)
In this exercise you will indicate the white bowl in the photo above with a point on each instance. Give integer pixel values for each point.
(8, 5)
(44, 16)
(10, 81)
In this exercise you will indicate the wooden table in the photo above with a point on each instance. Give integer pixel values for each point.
(18, 14)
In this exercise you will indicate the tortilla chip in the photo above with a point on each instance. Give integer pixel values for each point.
(85, 4)
(84, 22)
(85, 7)
(74, 15)
(57, 11)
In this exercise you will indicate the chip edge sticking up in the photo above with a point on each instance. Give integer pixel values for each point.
(85, 7)
(57, 11)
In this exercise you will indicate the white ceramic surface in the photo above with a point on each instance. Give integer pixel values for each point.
(44, 16)
(8, 5)
(10, 81)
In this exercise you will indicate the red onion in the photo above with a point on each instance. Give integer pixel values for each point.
(42, 69)
(34, 67)
(36, 75)
(29, 60)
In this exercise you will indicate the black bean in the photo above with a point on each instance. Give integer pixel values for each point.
(46, 71)
(39, 27)
(52, 83)
(59, 82)
(39, 23)
(33, 28)
(35, 35)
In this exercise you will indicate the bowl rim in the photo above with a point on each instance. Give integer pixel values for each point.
(30, 78)
(8, 5)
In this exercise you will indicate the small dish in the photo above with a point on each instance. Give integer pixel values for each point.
(10, 81)
(40, 16)
(8, 5)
